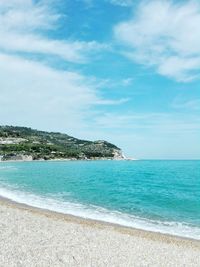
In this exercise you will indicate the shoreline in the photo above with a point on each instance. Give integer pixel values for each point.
(98, 223)
(66, 160)
(35, 237)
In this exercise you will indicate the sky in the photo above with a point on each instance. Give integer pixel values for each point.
(125, 71)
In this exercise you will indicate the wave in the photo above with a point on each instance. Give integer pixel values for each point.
(56, 203)
(7, 168)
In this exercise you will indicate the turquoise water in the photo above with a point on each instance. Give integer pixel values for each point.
(161, 196)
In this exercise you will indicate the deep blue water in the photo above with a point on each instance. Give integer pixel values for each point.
(155, 195)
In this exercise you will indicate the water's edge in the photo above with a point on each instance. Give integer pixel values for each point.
(78, 216)
(137, 232)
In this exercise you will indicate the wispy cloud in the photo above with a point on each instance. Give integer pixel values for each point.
(150, 122)
(112, 101)
(23, 26)
(27, 15)
(70, 51)
(164, 35)
(38, 90)
(192, 104)
(124, 3)
(127, 81)
(46, 97)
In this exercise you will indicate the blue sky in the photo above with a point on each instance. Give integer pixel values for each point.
(125, 71)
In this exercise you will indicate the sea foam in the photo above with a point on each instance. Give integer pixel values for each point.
(56, 203)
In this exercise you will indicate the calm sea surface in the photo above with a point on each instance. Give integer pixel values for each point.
(161, 196)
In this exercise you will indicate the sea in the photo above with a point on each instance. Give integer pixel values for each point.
(154, 195)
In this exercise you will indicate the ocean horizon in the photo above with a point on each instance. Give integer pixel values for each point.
(154, 195)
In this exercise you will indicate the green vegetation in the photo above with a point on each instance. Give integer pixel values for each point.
(17, 142)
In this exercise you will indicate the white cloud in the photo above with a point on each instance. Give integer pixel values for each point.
(164, 35)
(124, 3)
(42, 95)
(192, 104)
(24, 16)
(156, 123)
(22, 29)
(14, 3)
(70, 51)
(112, 102)
(127, 81)
(33, 93)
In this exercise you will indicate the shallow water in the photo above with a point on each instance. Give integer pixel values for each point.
(161, 196)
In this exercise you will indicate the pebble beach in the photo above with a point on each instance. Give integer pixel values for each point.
(35, 237)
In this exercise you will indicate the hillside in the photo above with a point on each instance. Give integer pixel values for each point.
(22, 143)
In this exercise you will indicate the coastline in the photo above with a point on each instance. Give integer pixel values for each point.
(98, 223)
(105, 217)
(126, 243)
(68, 159)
